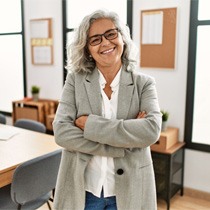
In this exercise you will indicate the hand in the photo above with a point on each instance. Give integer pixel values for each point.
(80, 122)
(141, 115)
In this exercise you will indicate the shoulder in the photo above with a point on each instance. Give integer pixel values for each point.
(72, 77)
(142, 78)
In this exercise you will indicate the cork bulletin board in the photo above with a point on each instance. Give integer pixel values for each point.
(41, 41)
(158, 38)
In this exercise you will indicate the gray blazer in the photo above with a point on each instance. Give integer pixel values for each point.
(126, 139)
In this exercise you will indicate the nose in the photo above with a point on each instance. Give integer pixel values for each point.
(105, 41)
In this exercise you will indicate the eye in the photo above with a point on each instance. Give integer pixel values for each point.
(111, 34)
(95, 40)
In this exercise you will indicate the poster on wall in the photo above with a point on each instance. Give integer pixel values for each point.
(152, 27)
(41, 41)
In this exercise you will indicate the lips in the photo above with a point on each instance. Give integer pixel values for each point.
(108, 51)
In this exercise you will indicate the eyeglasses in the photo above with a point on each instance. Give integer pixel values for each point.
(109, 35)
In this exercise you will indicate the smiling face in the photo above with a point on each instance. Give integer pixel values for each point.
(108, 53)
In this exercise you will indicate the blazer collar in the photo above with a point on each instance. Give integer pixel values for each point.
(125, 92)
(93, 91)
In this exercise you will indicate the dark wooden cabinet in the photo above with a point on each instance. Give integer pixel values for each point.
(169, 171)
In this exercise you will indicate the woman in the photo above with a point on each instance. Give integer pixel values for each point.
(107, 118)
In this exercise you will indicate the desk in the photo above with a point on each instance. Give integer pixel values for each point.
(23, 146)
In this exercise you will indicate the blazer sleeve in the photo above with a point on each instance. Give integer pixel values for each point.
(129, 133)
(70, 137)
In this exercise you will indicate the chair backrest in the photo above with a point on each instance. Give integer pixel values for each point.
(35, 178)
(31, 125)
(2, 119)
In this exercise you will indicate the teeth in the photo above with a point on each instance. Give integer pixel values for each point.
(108, 51)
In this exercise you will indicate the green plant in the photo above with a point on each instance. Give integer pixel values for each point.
(35, 89)
(165, 115)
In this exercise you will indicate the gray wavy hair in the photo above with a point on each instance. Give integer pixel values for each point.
(78, 58)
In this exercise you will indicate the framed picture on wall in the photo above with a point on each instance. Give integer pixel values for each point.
(41, 41)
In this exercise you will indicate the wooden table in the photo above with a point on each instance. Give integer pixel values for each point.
(23, 146)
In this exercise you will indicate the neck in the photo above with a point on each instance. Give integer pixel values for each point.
(110, 72)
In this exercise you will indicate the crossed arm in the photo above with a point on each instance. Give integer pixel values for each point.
(80, 122)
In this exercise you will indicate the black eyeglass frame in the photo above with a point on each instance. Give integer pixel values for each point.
(104, 35)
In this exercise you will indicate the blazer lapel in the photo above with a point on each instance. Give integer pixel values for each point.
(93, 91)
(125, 94)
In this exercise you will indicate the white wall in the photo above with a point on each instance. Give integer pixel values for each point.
(171, 84)
(171, 87)
(49, 77)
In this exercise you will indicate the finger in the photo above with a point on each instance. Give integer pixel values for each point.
(141, 115)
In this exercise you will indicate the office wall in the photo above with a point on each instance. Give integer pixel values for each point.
(171, 84)
(48, 77)
(171, 87)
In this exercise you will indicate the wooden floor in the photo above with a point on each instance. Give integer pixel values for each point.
(185, 203)
(177, 203)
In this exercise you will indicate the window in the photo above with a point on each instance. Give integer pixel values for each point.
(72, 18)
(197, 123)
(11, 53)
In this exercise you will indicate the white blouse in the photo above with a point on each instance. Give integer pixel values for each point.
(100, 171)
